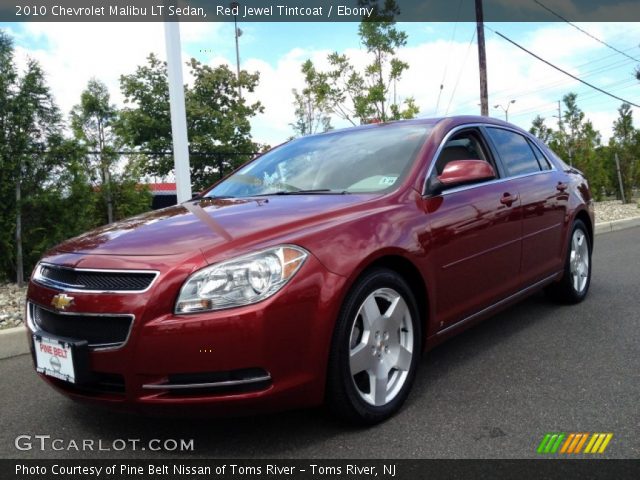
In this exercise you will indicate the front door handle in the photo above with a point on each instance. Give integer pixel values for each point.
(507, 199)
(561, 187)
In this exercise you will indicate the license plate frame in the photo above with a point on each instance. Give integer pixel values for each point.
(61, 358)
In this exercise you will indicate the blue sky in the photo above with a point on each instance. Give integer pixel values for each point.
(73, 53)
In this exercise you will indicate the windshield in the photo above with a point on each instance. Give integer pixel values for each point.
(356, 161)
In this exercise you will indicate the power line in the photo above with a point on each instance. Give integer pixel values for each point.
(446, 65)
(586, 96)
(461, 70)
(551, 86)
(564, 71)
(587, 101)
(585, 32)
(560, 83)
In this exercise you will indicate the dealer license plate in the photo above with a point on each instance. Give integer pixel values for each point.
(54, 358)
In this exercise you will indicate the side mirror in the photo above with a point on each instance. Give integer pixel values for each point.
(461, 172)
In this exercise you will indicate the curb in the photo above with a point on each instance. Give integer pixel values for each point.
(606, 227)
(13, 341)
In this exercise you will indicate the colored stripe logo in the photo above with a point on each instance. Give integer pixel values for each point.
(573, 443)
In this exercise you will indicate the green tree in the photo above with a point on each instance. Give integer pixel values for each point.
(381, 38)
(63, 205)
(579, 143)
(540, 130)
(625, 144)
(29, 120)
(311, 109)
(573, 119)
(130, 196)
(45, 186)
(218, 121)
(217, 118)
(368, 95)
(92, 121)
(8, 77)
(145, 122)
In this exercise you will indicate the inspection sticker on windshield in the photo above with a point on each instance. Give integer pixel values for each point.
(388, 180)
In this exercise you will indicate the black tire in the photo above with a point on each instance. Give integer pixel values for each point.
(343, 397)
(564, 290)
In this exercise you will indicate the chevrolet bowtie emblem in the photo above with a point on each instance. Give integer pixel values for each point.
(61, 301)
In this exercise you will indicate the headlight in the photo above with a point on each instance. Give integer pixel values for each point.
(240, 281)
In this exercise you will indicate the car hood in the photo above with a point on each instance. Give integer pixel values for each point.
(210, 223)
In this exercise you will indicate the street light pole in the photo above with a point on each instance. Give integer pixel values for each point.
(506, 110)
(237, 32)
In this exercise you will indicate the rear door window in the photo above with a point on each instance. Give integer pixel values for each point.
(514, 151)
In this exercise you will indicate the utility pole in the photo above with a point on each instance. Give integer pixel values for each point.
(620, 178)
(482, 60)
(563, 137)
(237, 32)
(394, 92)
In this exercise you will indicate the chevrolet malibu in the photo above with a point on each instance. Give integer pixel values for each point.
(318, 272)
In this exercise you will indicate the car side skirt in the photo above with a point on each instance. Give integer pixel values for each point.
(489, 311)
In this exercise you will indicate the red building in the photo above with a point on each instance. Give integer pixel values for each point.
(164, 194)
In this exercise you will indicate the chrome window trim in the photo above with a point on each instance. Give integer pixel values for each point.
(490, 182)
(226, 383)
(480, 184)
(34, 328)
(65, 287)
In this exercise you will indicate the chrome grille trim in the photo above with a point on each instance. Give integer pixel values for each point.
(40, 278)
(34, 327)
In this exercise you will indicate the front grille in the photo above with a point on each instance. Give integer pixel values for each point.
(100, 331)
(94, 280)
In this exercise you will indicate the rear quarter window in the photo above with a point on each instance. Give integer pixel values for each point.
(542, 159)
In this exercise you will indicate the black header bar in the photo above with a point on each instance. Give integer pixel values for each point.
(313, 11)
(318, 469)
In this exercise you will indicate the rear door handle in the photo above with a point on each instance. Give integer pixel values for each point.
(562, 186)
(507, 199)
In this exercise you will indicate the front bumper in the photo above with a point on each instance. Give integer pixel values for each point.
(268, 356)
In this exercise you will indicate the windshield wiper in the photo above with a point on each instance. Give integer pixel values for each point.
(305, 192)
(214, 197)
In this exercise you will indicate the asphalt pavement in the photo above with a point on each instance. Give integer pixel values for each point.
(492, 392)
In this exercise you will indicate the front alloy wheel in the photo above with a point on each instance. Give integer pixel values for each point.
(381, 346)
(375, 349)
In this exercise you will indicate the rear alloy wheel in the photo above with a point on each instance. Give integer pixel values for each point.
(375, 350)
(574, 285)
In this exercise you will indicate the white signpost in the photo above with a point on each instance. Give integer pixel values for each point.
(178, 112)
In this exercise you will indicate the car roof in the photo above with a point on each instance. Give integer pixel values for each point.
(451, 122)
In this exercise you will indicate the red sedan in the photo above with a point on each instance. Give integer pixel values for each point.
(318, 272)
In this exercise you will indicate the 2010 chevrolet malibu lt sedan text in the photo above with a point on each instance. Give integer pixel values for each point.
(318, 272)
